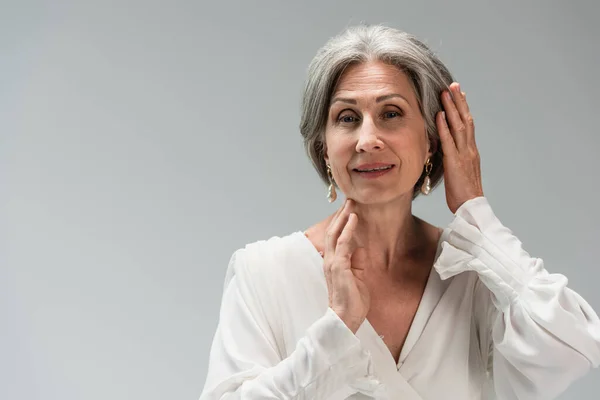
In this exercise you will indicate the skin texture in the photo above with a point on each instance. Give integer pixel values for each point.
(377, 255)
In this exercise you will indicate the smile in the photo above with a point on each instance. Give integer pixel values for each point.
(374, 169)
(371, 173)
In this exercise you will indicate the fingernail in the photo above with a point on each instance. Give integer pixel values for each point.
(444, 115)
(458, 87)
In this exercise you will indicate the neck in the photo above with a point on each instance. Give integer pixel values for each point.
(389, 233)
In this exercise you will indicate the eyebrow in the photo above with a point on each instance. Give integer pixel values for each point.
(378, 99)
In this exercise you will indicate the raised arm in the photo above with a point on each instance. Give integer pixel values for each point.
(541, 335)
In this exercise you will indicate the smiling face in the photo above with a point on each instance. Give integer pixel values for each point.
(374, 121)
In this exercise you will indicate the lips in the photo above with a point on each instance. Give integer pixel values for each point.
(373, 167)
(373, 171)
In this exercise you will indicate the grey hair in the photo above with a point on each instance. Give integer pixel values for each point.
(363, 43)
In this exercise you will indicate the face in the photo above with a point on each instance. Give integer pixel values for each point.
(374, 122)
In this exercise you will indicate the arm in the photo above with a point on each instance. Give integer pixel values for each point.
(246, 364)
(542, 334)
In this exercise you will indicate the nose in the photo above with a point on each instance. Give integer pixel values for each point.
(368, 138)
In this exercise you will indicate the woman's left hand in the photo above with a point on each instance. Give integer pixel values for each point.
(462, 170)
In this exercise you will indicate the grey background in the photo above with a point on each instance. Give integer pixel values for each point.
(141, 143)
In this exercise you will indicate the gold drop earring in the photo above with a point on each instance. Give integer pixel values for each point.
(331, 194)
(426, 186)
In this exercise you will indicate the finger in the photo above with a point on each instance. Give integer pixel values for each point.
(454, 120)
(337, 214)
(346, 244)
(448, 145)
(339, 210)
(336, 226)
(327, 273)
(460, 100)
(327, 257)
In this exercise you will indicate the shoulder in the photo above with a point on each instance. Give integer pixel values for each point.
(268, 259)
(274, 272)
(276, 249)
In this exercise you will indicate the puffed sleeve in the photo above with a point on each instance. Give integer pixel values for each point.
(541, 335)
(245, 363)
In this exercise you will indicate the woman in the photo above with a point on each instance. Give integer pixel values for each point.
(373, 302)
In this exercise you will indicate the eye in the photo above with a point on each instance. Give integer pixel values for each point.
(391, 114)
(347, 118)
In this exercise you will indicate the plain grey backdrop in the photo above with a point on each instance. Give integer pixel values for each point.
(142, 142)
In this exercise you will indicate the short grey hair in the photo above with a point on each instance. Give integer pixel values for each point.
(363, 43)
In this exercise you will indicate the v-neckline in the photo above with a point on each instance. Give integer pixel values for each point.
(367, 333)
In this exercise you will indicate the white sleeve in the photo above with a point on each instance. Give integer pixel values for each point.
(542, 335)
(246, 364)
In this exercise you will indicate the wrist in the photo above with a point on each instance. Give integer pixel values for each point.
(352, 322)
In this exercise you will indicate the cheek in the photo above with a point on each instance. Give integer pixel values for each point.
(338, 149)
(340, 153)
(418, 139)
(410, 145)
(412, 150)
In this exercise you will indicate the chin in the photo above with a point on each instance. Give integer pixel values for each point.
(370, 197)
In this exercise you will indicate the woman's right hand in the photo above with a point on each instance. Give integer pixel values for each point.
(344, 264)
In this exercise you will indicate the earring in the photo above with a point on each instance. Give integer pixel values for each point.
(426, 187)
(331, 194)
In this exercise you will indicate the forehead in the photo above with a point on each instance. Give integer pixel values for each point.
(373, 76)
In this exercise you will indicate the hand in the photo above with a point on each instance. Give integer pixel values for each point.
(343, 264)
(462, 169)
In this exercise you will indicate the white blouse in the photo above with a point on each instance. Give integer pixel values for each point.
(492, 323)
